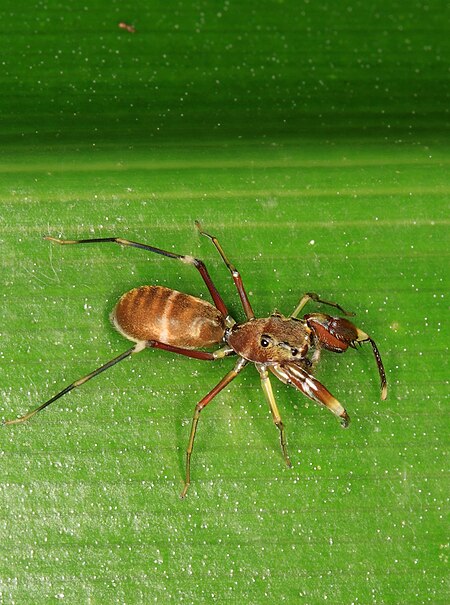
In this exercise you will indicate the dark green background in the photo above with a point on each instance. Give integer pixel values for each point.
(312, 138)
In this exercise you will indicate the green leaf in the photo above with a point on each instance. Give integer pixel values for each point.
(312, 141)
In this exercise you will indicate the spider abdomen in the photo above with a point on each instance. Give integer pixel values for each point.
(168, 316)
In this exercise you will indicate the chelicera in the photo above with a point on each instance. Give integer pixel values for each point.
(288, 347)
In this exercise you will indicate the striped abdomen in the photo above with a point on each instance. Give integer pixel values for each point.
(168, 316)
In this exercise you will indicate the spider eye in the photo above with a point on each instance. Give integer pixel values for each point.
(294, 352)
(265, 342)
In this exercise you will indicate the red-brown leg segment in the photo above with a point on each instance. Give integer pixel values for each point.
(190, 260)
(198, 408)
(194, 353)
(234, 274)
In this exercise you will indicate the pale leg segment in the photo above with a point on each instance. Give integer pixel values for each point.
(315, 297)
(267, 388)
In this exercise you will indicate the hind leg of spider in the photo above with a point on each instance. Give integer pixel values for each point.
(267, 388)
(140, 346)
(234, 273)
(204, 355)
(189, 260)
(198, 408)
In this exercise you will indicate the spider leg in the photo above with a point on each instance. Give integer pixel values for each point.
(234, 273)
(267, 388)
(315, 298)
(198, 408)
(140, 346)
(187, 259)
